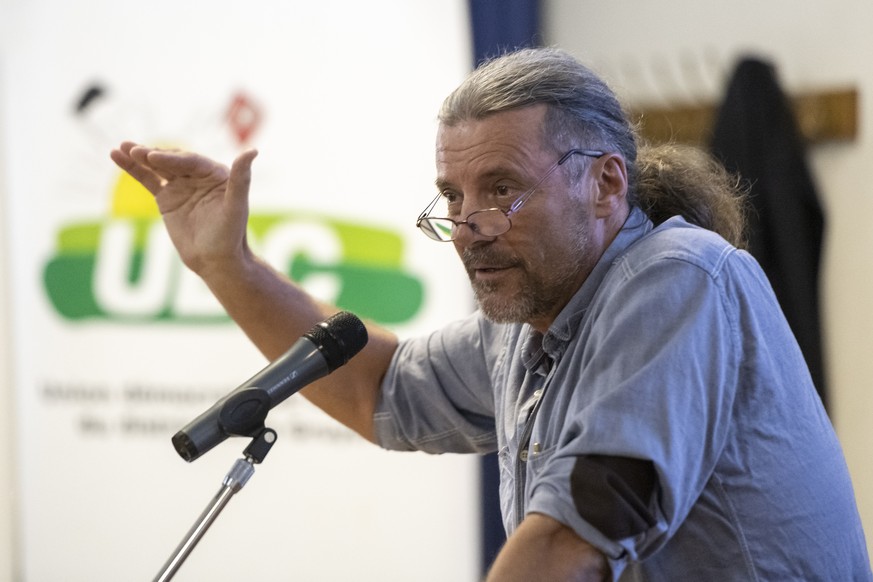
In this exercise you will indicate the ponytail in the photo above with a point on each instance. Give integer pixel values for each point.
(675, 179)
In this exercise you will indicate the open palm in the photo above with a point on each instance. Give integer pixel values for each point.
(203, 203)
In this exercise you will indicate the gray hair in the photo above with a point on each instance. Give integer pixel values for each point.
(583, 112)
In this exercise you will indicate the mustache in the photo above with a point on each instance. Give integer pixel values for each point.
(486, 255)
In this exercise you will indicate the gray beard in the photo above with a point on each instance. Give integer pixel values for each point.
(521, 307)
(533, 298)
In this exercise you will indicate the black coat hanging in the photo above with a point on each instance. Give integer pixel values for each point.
(756, 136)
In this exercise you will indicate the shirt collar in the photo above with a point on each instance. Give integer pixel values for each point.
(564, 328)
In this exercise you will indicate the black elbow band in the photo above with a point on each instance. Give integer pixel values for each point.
(613, 494)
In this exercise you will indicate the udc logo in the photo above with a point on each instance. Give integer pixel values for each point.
(123, 267)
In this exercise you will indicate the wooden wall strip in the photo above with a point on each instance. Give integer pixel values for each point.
(824, 116)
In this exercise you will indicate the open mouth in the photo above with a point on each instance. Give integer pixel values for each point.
(481, 265)
(490, 271)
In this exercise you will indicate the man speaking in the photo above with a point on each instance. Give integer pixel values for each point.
(652, 413)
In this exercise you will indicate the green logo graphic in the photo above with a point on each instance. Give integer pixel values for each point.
(123, 267)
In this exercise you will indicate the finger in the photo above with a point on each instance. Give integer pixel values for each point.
(241, 177)
(140, 155)
(179, 164)
(142, 174)
(126, 146)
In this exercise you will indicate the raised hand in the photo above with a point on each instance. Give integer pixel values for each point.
(204, 204)
(205, 209)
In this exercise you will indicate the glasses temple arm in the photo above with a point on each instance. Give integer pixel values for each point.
(424, 213)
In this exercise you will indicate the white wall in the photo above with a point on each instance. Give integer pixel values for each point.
(7, 474)
(643, 46)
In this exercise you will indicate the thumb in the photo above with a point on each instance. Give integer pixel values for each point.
(241, 176)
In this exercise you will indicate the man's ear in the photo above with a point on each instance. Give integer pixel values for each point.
(610, 177)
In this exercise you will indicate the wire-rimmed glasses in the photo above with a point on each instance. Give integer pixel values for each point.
(488, 221)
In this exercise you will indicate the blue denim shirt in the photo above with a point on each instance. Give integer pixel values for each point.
(673, 351)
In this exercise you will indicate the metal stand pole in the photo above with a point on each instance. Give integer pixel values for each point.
(236, 478)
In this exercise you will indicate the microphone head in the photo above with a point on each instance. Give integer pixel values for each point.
(339, 338)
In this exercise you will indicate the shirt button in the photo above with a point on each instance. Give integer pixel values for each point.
(523, 456)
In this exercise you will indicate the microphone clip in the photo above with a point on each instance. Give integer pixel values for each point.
(243, 414)
(260, 446)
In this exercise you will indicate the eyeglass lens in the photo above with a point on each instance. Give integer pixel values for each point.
(488, 222)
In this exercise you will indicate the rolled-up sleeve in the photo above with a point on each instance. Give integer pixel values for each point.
(437, 396)
(652, 392)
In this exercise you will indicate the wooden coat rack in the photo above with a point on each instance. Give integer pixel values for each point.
(825, 116)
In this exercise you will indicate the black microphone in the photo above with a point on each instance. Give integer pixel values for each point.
(320, 351)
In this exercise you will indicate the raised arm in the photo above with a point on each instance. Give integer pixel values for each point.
(204, 206)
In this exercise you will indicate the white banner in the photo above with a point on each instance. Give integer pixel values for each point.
(116, 346)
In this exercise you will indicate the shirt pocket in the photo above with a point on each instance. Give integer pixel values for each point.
(537, 461)
(536, 467)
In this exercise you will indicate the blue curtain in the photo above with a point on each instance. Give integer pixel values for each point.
(499, 26)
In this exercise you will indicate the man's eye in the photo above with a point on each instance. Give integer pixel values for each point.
(450, 203)
(504, 192)
(449, 197)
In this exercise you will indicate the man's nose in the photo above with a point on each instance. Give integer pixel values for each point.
(469, 232)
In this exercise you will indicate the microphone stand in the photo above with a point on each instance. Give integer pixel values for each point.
(239, 474)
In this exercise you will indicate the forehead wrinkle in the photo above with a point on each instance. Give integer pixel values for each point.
(477, 152)
(486, 177)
